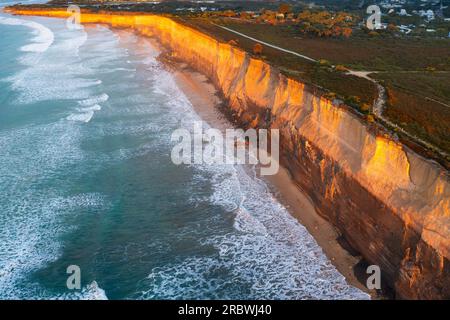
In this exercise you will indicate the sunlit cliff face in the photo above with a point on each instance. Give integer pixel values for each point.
(388, 156)
(416, 189)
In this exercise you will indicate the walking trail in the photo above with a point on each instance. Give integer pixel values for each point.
(379, 103)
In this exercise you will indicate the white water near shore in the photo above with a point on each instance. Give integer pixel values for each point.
(49, 71)
(43, 38)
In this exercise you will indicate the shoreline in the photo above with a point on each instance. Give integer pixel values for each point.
(203, 96)
(382, 128)
(387, 201)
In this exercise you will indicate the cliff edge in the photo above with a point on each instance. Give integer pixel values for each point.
(392, 205)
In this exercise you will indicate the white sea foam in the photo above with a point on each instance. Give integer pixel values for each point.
(119, 69)
(90, 292)
(33, 213)
(43, 39)
(95, 107)
(76, 38)
(103, 40)
(82, 117)
(268, 254)
(33, 219)
(85, 114)
(56, 73)
(93, 292)
(94, 100)
(33, 209)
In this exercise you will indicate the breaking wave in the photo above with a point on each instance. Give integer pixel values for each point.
(43, 39)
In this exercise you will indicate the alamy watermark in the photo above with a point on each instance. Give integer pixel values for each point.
(374, 280)
(74, 280)
(73, 22)
(210, 146)
(373, 22)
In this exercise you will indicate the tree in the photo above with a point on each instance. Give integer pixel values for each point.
(258, 49)
(341, 68)
(285, 8)
(365, 107)
(347, 32)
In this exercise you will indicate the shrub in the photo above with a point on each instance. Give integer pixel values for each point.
(229, 13)
(324, 62)
(330, 95)
(365, 107)
(284, 8)
(341, 68)
(258, 49)
(347, 32)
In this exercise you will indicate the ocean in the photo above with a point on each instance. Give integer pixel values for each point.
(86, 179)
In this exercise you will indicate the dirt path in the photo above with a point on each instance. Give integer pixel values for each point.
(378, 108)
(379, 103)
(267, 44)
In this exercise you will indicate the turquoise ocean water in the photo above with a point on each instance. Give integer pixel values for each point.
(86, 179)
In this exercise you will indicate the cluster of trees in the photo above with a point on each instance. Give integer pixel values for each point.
(318, 23)
(326, 24)
(263, 15)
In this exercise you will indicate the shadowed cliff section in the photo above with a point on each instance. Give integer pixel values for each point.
(392, 205)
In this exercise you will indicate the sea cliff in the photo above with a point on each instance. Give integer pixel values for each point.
(391, 205)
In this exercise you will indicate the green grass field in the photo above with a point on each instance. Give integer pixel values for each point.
(417, 99)
(419, 103)
(359, 51)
